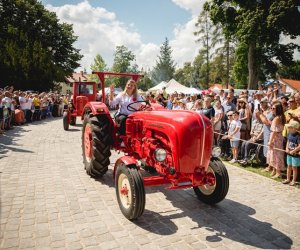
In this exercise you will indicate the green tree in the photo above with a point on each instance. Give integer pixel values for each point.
(200, 71)
(98, 66)
(165, 67)
(185, 75)
(258, 26)
(291, 72)
(35, 49)
(123, 59)
(208, 36)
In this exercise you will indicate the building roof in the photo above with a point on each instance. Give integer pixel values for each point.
(294, 84)
(77, 77)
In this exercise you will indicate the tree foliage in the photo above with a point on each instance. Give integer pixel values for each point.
(35, 49)
(123, 62)
(208, 34)
(291, 71)
(165, 67)
(98, 66)
(258, 27)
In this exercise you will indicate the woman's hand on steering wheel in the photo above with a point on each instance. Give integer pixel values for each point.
(141, 107)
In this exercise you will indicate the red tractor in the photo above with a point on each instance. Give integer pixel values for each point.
(161, 147)
(83, 92)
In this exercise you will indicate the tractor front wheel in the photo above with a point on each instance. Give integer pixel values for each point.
(130, 191)
(212, 194)
(65, 121)
(96, 143)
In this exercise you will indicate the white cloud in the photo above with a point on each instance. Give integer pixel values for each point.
(194, 6)
(99, 32)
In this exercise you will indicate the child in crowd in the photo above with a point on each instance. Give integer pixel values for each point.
(292, 150)
(234, 135)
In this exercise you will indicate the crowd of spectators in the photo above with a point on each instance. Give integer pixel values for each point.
(19, 107)
(243, 120)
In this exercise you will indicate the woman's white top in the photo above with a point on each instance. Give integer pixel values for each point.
(123, 100)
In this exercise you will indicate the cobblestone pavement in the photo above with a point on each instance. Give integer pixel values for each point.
(49, 202)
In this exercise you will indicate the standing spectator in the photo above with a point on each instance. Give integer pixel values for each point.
(276, 157)
(189, 103)
(219, 114)
(164, 93)
(1, 115)
(234, 135)
(222, 96)
(266, 116)
(23, 103)
(170, 102)
(284, 103)
(7, 102)
(231, 95)
(292, 150)
(227, 106)
(198, 106)
(208, 109)
(37, 108)
(181, 104)
(225, 141)
(244, 115)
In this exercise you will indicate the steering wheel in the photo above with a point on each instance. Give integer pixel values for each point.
(141, 108)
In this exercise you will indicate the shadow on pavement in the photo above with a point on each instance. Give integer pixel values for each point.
(8, 140)
(73, 129)
(228, 219)
(107, 179)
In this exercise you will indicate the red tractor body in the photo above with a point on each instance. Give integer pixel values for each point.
(160, 146)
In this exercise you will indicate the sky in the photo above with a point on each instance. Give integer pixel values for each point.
(140, 25)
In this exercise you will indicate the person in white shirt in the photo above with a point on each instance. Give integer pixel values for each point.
(7, 102)
(234, 135)
(23, 102)
(125, 98)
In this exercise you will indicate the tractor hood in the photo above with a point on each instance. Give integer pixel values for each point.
(190, 136)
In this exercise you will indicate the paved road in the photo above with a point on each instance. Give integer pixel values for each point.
(48, 202)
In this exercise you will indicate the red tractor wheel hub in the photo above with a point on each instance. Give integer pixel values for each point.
(88, 142)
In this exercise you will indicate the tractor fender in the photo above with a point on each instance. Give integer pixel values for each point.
(127, 160)
(96, 108)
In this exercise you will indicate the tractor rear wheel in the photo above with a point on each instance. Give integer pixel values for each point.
(96, 143)
(130, 191)
(73, 120)
(65, 121)
(212, 194)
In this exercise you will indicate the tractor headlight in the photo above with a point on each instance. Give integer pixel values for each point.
(160, 154)
(216, 151)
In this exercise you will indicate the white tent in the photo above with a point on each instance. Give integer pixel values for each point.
(194, 91)
(158, 86)
(173, 86)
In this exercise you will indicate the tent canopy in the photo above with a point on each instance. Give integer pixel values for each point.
(159, 86)
(173, 86)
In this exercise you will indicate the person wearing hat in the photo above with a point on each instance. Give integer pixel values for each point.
(244, 117)
(292, 150)
(290, 114)
(266, 116)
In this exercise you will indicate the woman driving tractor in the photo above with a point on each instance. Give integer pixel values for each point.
(128, 97)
